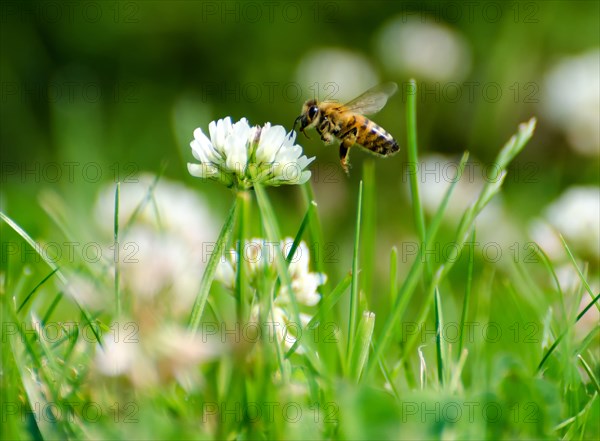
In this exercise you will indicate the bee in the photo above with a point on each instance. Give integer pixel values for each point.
(347, 122)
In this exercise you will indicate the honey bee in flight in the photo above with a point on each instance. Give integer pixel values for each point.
(347, 122)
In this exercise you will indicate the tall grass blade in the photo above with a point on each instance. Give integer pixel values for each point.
(354, 291)
(465, 308)
(211, 267)
(118, 306)
(36, 247)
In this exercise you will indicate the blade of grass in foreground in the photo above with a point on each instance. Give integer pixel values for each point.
(362, 344)
(465, 308)
(326, 304)
(369, 228)
(211, 267)
(508, 152)
(272, 230)
(35, 288)
(581, 276)
(116, 245)
(354, 292)
(560, 337)
(27, 238)
(439, 326)
(590, 373)
(314, 225)
(413, 159)
(408, 286)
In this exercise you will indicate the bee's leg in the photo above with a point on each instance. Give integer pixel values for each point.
(327, 137)
(344, 157)
(345, 151)
(348, 140)
(324, 130)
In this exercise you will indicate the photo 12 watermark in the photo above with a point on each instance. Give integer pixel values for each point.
(71, 172)
(70, 411)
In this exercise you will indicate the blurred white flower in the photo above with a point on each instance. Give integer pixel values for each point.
(429, 51)
(259, 253)
(435, 174)
(259, 258)
(119, 353)
(280, 325)
(576, 215)
(240, 156)
(164, 250)
(572, 100)
(154, 355)
(335, 74)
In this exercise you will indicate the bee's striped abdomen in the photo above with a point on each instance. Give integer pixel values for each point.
(375, 138)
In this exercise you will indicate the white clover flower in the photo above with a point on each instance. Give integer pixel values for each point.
(241, 156)
(571, 92)
(574, 215)
(163, 252)
(259, 259)
(429, 50)
(259, 253)
(155, 355)
(280, 326)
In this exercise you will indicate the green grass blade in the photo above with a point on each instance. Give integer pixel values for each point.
(362, 344)
(560, 337)
(316, 232)
(298, 238)
(33, 291)
(465, 308)
(439, 342)
(52, 265)
(410, 282)
(118, 306)
(327, 303)
(243, 202)
(590, 373)
(142, 204)
(52, 307)
(211, 267)
(354, 291)
(272, 229)
(393, 275)
(581, 276)
(369, 227)
(413, 159)
(33, 244)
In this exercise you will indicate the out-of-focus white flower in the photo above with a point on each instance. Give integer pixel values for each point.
(546, 237)
(304, 283)
(241, 156)
(575, 215)
(259, 258)
(325, 72)
(153, 355)
(119, 353)
(572, 100)
(164, 249)
(427, 50)
(280, 325)
(257, 254)
(435, 174)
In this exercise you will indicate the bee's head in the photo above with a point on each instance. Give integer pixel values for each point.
(310, 116)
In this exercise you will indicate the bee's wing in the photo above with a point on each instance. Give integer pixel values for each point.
(373, 100)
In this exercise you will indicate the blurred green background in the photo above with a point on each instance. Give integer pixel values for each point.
(122, 85)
